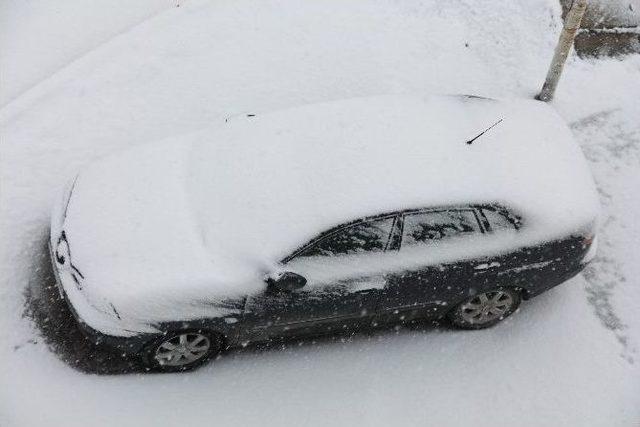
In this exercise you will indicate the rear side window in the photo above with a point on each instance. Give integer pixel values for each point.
(426, 227)
(369, 236)
(498, 220)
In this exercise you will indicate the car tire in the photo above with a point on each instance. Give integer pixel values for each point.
(182, 350)
(485, 309)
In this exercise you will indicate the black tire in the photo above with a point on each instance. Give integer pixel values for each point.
(485, 309)
(191, 348)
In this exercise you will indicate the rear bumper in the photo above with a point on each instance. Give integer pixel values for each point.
(532, 292)
(567, 275)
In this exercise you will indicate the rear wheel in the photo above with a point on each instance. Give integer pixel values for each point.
(183, 350)
(485, 309)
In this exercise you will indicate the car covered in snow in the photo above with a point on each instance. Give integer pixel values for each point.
(325, 218)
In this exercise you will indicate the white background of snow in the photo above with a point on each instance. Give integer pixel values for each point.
(551, 364)
(42, 36)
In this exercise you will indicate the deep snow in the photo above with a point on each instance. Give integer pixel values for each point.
(569, 357)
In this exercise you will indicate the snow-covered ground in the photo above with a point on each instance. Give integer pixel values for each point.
(569, 357)
(42, 36)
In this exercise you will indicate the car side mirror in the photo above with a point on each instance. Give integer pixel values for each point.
(287, 281)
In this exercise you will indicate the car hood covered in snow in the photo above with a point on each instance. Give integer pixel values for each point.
(132, 235)
(165, 230)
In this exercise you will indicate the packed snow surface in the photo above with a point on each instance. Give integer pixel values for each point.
(568, 357)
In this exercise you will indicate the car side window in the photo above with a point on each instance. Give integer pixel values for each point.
(371, 236)
(426, 227)
(498, 220)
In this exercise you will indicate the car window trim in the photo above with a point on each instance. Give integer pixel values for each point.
(513, 219)
(483, 219)
(395, 238)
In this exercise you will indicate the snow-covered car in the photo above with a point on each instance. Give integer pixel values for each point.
(324, 218)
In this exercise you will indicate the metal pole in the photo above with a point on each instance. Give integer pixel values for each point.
(571, 25)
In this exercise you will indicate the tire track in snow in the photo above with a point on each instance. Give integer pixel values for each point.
(609, 145)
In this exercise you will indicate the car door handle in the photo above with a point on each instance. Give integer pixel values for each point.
(487, 266)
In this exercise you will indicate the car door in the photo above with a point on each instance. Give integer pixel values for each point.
(343, 286)
(436, 270)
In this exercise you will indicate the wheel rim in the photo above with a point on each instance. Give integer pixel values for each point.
(486, 307)
(183, 349)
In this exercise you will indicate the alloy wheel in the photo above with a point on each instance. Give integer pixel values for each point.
(486, 307)
(183, 349)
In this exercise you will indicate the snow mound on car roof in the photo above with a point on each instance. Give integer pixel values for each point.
(265, 184)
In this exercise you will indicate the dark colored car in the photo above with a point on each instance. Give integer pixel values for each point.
(471, 261)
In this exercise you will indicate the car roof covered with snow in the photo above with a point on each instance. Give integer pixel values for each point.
(269, 182)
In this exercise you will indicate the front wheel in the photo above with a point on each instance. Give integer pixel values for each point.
(182, 350)
(486, 309)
